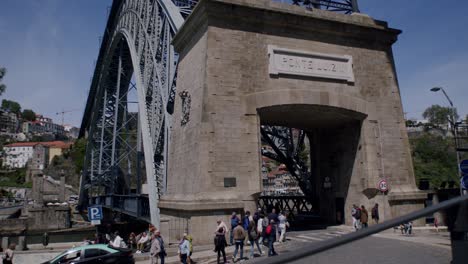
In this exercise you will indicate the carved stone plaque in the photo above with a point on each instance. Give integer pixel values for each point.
(312, 64)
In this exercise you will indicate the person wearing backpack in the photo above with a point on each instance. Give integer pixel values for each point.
(234, 222)
(271, 234)
(253, 238)
(356, 214)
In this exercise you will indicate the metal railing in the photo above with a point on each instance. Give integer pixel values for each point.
(458, 228)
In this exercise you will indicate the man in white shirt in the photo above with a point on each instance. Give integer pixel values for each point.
(222, 225)
(117, 240)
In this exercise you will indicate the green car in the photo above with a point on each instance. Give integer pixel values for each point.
(94, 254)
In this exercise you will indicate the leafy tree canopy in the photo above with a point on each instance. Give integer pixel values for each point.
(2, 86)
(29, 115)
(434, 158)
(439, 115)
(11, 106)
(77, 153)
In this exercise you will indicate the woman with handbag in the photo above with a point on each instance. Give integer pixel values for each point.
(253, 238)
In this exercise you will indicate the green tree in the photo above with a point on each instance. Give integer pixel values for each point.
(11, 106)
(434, 158)
(440, 116)
(77, 153)
(2, 86)
(29, 115)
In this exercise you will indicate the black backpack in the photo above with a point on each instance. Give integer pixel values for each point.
(358, 214)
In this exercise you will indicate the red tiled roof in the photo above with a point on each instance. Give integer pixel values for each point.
(57, 144)
(50, 144)
(22, 144)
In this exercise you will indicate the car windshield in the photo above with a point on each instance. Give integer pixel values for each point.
(71, 254)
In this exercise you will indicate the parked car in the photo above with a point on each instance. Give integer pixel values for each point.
(94, 254)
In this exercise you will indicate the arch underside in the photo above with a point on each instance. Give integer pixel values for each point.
(128, 134)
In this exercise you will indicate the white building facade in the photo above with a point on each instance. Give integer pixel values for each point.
(16, 155)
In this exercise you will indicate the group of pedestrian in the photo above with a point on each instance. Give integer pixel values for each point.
(257, 229)
(149, 240)
(360, 216)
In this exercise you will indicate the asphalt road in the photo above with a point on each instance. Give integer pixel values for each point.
(371, 250)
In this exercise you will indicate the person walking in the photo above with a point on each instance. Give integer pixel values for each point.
(283, 223)
(356, 214)
(162, 251)
(9, 254)
(261, 228)
(246, 221)
(234, 222)
(271, 234)
(256, 215)
(239, 237)
(220, 244)
(155, 249)
(190, 240)
(364, 216)
(184, 249)
(274, 216)
(253, 236)
(375, 213)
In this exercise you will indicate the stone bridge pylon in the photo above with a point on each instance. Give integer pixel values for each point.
(244, 64)
(182, 158)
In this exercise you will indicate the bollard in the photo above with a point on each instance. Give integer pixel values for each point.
(5, 243)
(22, 243)
(459, 236)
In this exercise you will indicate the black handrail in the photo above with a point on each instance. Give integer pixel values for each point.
(338, 241)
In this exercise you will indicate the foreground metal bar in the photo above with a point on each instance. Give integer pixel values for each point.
(335, 242)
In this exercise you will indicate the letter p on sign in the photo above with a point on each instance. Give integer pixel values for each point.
(95, 213)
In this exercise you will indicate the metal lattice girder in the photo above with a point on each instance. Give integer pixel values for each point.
(345, 6)
(287, 144)
(136, 47)
(136, 54)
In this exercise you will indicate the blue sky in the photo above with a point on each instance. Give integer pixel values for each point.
(49, 48)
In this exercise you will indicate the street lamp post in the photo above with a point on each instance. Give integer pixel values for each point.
(453, 124)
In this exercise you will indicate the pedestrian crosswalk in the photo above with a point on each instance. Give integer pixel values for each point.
(315, 236)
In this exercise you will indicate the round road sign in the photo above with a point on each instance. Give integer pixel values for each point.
(383, 185)
(464, 166)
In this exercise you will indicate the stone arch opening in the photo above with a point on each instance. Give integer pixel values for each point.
(331, 153)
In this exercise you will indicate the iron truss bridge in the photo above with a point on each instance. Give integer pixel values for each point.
(131, 99)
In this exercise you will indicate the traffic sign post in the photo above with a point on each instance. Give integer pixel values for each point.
(95, 214)
(383, 185)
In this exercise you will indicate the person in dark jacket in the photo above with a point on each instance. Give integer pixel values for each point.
(364, 216)
(375, 213)
(271, 234)
(220, 244)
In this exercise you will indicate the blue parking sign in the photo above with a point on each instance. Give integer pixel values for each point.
(95, 213)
